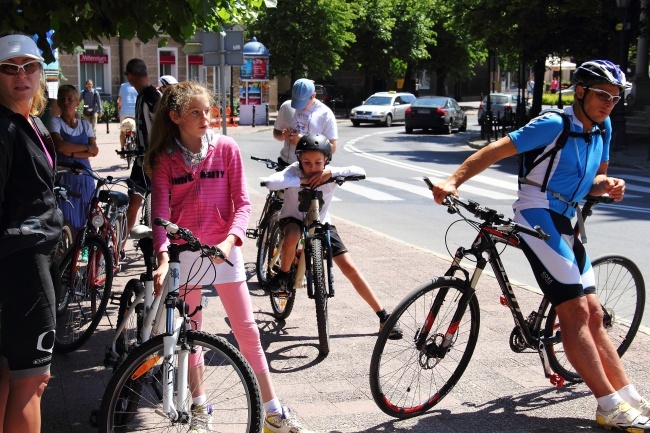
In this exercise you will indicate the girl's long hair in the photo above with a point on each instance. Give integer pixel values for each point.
(163, 130)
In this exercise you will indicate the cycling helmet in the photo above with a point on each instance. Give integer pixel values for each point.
(314, 142)
(598, 72)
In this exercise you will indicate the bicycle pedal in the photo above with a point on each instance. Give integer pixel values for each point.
(556, 380)
(252, 233)
(503, 301)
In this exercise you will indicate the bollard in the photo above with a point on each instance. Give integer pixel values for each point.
(253, 116)
(267, 114)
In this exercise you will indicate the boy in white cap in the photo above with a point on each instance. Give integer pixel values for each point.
(303, 114)
(166, 81)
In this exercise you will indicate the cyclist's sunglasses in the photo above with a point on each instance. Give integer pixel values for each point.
(605, 96)
(13, 69)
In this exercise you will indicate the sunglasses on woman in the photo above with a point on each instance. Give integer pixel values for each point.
(605, 96)
(12, 69)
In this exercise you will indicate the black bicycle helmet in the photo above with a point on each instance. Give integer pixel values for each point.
(315, 142)
(599, 72)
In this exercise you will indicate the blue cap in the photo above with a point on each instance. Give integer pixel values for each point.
(301, 92)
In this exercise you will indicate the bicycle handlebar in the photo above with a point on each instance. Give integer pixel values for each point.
(77, 167)
(175, 232)
(270, 164)
(136, 152)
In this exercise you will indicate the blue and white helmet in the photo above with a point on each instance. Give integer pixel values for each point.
(599, 72)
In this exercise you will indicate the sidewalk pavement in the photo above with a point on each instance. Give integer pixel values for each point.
(500, 391)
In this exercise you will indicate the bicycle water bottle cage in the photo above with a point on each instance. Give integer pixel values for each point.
(305, 196)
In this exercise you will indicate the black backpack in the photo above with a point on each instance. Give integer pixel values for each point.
(530, 159)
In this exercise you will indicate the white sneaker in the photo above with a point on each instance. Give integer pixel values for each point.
(623, 417)
(283, 422)
(643, 407)
(201, 416)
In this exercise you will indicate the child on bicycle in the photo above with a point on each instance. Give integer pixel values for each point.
(314, 152)
(198, 182)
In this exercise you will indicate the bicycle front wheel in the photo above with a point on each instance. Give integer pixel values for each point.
(265, 249)
(281, 303)
(133, 398)
(130, 145)
(130, 336)
(621, 291)
(321, 296)
(405, 380)
(86, 279)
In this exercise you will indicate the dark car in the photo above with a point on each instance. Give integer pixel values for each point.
(435, 112)
(330, 96)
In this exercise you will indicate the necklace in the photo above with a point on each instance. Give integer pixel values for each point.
(72, 124)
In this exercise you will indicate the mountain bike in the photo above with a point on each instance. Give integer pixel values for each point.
(87, 268)
(312, 265)
(441, 319)
(152, 390)
(262, 232)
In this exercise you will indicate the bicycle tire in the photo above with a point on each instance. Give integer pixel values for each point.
(281, 303)
(263, 250)
(146, 211)
(84, 302)
(321, 296)
(404, 381)
(133, 398)
(130, 336)
(621, 290)
(130, 145)
(65, 242)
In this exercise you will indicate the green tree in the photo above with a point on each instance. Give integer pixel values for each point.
(75, 21)
(307, 37)
(527, 31)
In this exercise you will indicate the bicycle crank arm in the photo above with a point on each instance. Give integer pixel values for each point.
(555, 379)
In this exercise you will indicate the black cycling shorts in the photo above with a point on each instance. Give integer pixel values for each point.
(338, 247)
(28, 311)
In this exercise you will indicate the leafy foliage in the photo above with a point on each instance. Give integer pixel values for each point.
(76, 21)
(307, 37)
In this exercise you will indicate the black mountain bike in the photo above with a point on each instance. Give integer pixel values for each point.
(312, 266)
(441, 318)
(262, 232)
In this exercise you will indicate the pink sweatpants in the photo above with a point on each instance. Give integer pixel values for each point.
(239, 309)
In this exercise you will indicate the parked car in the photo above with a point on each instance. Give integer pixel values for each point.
(382, 108)
(331, 96)
(504, 106)
(435, 112)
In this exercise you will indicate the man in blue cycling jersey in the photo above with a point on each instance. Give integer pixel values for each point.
(548, 197)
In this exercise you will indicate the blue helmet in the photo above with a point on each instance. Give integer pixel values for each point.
(600, 72)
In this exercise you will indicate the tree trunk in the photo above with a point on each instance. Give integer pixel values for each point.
(539, 68)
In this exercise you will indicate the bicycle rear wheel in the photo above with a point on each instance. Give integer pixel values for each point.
(130, 145)
(87, 276)
(406, 381)
(321, 296)
(133, 398)
(281, 303)
(621, 290)
(265, 248)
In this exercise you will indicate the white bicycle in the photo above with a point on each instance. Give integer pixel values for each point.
(151, 389)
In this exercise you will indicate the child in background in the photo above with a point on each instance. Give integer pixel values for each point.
(216, 208)
(314, 152)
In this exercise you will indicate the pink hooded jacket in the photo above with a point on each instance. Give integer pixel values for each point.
(212, 202)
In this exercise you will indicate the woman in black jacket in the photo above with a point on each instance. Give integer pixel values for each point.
(30, 225)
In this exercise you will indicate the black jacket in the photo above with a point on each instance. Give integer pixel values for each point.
(29, 215)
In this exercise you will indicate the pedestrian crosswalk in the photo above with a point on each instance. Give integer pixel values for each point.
(385, 189)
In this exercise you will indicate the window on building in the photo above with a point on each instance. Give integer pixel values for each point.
(167, 63)
(93, 71)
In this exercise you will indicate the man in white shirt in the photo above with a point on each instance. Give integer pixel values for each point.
(303, 114)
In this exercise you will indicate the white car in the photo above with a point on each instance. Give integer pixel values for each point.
(382, 108)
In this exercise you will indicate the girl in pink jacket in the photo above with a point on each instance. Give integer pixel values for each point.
(198, 183)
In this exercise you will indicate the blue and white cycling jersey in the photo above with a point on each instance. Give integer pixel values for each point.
(574, 167)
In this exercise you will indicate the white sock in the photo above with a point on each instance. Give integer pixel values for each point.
(273, 406)
(608, 402)
(199, 400)
(630, 394)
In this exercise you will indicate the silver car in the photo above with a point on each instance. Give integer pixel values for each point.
(504, 106)
(382, 108)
